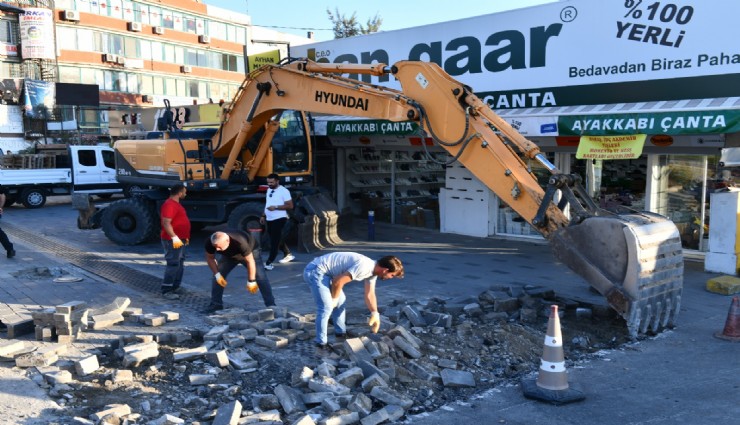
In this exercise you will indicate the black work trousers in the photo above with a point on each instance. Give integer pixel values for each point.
(277, 239)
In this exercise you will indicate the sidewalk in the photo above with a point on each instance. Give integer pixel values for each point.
(681, 376)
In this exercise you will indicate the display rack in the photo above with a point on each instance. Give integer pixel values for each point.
(377, 178)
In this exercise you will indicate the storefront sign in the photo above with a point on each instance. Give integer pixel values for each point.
(259, 59)
(671, 123)
(371, 127)
(611, 147)
(37, 33)
(563, 53)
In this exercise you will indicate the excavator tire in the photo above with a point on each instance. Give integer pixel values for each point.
(246, 217)
(634, 260)
(128, 221)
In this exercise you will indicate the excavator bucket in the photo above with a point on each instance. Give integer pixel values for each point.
(319, 224)
(634, 260)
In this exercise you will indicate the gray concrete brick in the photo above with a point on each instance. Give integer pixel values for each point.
(265, 402)
(414, 315)
(228, 414)
(201, 379)
(289, 398)
(457, 378)
(404, 345)
(19, 327)
(117, 409)
(388, 396)
(350, 377)
(87, 365)
(327, 384)
(217, 358)
(189, 354)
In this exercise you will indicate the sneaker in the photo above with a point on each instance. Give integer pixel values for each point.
(340, 337)
(180, 290)
(211, 309)
(170, 296)
(287, 259)
(11, 253)
(323, 350)
(269, 266)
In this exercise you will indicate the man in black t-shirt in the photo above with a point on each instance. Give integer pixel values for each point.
(3, 237)
(235, 247)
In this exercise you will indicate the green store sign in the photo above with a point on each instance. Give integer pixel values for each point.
(672, 123)
(371, 127)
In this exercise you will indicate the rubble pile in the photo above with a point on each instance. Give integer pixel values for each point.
(260, 367)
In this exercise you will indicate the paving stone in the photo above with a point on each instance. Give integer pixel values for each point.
(369, 369)
(263, 418)
(7, 348)
(404, 345)
(350, 377)
(341, 419)
(438, 319)
(289, 398)
(170, 316)
(104, 321)
(241, 360)
(388, 413)
(217, 358)
(271, 341)
(189, 354)
(215, 333)
(153, 320)
(136, 354)
(327, 384)
(372, 381)
(421, 372)
(18, 327)
(58, 377)
(400, 330)
(304, 420)
(414, 315)
(357, 351)
(118, 306)
(228, 414)
(388, 396)
(35, 360)
(201, 379)
(71, 306)
(316, 397)
(457, 378)
(86, 366)
(361, 404)
(335, 403)
(117, 409)
(725, 285)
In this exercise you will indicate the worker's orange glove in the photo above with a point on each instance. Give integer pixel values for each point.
(374, 321)
(252, 286)
(220, 280)
(176, 242)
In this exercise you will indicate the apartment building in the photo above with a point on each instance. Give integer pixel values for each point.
(137, 53)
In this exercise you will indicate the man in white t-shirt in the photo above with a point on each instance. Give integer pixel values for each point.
(277, 204)
(327, 275)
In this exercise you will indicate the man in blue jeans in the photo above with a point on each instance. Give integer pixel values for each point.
(327, 275)
(235, 247)
(175, 235)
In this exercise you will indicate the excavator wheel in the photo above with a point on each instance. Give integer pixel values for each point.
(128, 221)
(246, 217)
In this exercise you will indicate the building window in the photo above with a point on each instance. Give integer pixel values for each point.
(132, 50)
(170, 87)
(69, 75)
(181, 87)
(157, 50)
(145, 48)
(169, 53)
(167, 20)
(158, 85)
(179, 55)
(69, 35)
(147, 85)
(133, 83)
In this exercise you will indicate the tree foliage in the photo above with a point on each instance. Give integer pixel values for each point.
(344, 26)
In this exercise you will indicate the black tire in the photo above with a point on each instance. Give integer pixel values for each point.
(128, 221)
(105, 195)
(246, 216)
(33, 198)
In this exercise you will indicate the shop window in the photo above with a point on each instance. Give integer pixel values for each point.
(684, 184)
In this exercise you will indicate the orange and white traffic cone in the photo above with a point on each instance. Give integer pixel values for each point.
(552, 380)
(731, 332)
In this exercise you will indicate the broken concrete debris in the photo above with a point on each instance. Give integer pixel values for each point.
(249, 367)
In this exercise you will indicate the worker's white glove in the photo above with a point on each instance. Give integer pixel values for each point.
(220, 280)
(374, 321)
(334, 303)
(176, 242)
(252, 286)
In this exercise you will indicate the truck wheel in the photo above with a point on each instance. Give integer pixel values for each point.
(128, 222)
(246, 216)
(33, 198)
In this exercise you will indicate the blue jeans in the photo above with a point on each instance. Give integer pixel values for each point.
(174, 268)
(320, 284)
(226, 265)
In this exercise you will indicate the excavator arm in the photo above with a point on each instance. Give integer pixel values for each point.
(634, 260)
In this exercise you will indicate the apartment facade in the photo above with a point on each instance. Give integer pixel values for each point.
(137, 53)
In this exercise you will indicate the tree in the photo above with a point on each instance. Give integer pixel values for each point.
(349, 27)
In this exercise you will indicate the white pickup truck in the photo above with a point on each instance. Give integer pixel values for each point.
(81, 169)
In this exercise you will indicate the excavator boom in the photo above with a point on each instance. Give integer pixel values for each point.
(634, 260)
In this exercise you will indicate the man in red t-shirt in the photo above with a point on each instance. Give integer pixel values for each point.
(175, 235)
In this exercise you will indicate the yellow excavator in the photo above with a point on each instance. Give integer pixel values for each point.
(634, 260)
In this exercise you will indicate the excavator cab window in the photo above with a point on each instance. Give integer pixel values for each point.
(290, 145)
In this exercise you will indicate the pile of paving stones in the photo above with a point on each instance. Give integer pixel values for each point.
(260, 367)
